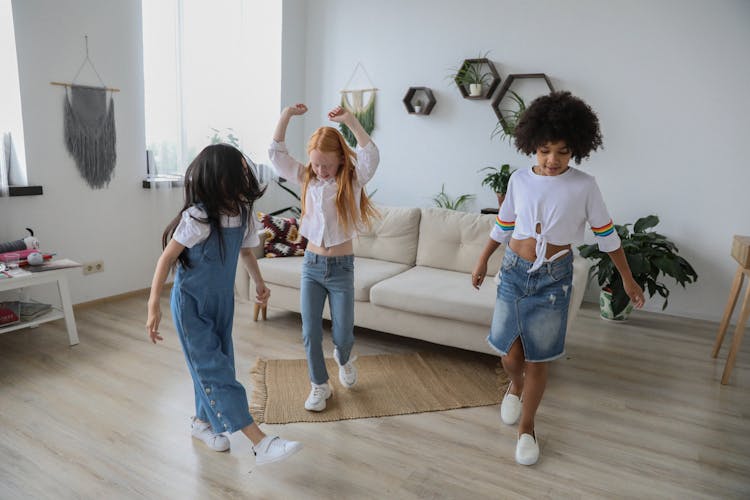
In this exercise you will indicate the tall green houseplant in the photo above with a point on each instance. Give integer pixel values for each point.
(650, 256)
(497, 179)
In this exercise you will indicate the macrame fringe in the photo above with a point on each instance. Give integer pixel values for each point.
(260, 393)
(366, 118)
(94, 150)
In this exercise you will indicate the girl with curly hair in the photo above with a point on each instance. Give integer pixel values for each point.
(546, 208)
(335, 207)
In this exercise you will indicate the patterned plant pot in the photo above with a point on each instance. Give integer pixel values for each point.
(605, 308)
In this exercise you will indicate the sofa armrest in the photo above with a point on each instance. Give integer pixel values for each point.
(242, 281)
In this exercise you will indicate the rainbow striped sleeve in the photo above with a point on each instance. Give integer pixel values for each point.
(504, 225)
(604, 230)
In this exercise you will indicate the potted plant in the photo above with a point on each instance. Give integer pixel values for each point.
(649, 256)
(472, 76)
(442, 200)
(497, 180)
(418, 106)
(511, 116)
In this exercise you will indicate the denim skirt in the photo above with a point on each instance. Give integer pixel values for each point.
(532, 306)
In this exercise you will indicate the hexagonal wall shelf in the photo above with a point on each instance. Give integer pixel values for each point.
(415, 94)
(487, 90)
(506, 88)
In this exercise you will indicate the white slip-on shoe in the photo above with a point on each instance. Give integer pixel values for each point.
(274, 449)
(510, 408)
(203, 431)
(527, 450)
(316, 401)
(347, 372)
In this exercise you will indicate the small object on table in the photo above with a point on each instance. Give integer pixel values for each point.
(35, 259)
(740, 253)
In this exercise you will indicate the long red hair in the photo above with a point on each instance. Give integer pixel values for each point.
(330, 140)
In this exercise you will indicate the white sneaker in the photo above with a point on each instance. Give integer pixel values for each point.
(347, 372)
(316, 401)
(274, 449)
(527, 450)
(510, 408)
(203, 431)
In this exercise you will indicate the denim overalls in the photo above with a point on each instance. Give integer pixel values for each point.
(203, 311)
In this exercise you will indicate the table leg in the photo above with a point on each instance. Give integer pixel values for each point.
(733, 294)
(737, 337)
(70, 320)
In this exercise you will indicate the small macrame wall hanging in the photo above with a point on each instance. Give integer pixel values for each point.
(89, 125)
(358, 97)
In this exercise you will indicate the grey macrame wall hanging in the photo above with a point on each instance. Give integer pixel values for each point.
(90, 135)
(353, 100)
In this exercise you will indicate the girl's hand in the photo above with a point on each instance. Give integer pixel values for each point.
(339, 115)
(297, 109)
(478, 274)
(262, 293)
(634, 292)
(152, 324)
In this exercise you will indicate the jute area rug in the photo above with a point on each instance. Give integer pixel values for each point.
(389, 384)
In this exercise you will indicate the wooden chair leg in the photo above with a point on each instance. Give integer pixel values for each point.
(256, 310)
(737, 338)
(263, 310)
(733, 294)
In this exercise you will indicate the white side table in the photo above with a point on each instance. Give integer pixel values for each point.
(39, 278)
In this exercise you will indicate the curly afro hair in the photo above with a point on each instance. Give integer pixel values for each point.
(559, 116)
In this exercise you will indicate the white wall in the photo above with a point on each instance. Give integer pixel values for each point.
(120, 224)
(668, 79)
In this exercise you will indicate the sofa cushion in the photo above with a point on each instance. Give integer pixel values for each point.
(282, 236)
(393, 237)
(454, 240)
(437, 292)
(286, 271)
(367, 272)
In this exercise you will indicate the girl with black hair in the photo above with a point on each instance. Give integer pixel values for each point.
(546, 208)
(215, 227)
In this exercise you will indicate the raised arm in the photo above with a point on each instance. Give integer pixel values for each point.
(283, 162)
(368, 156)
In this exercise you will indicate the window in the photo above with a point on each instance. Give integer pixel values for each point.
(212, 73)
(12, 148)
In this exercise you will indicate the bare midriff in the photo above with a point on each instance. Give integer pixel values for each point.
(526, 249)
(345, 248)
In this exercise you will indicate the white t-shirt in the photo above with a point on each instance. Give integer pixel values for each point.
(561, 205)
(320, 222)
(190, 232)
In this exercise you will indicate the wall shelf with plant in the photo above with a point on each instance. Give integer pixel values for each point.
(419, 101)
(476, 78)
(508, 117)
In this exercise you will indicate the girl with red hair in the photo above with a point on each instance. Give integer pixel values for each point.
(335, 207)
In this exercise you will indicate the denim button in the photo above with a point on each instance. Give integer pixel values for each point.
(213, 403)
(208, 390)
(226, 426)
(218, 414)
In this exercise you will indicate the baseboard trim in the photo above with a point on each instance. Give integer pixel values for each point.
(119, 296)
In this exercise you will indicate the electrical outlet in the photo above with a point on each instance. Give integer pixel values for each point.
(92, 267)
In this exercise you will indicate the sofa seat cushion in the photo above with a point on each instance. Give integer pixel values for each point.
(284, 271)
(287, 271)
(439, 293)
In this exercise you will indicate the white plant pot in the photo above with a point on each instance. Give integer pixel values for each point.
(475, 89)
(417, 109)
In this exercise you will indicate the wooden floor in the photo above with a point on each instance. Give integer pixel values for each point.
(634, 410)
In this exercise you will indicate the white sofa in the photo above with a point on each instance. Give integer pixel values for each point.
(412, 277)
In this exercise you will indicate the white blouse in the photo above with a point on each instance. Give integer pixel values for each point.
(320, 224)
(561, 205)
(190, 232)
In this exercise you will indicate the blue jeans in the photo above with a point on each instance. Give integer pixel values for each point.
(322, 277)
